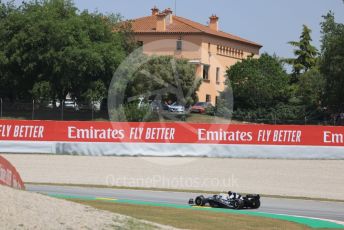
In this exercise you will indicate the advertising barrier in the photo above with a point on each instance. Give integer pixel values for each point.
(169, 139)
(9, 175)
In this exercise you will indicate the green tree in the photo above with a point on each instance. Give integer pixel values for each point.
(309, 92)
(41, 90)
(332, 62)
(143, 78)
(50, 41)
(161, 73)
(311, 88)
(5, 79)
(258, 83)
(96, 92)
(305, 52)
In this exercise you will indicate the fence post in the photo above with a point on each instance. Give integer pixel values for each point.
(92, 110)
(0, 107)
(274, 118)
(62, 103)
(33, 110)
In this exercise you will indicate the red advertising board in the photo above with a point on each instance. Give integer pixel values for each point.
(113, 132)
(9, 175)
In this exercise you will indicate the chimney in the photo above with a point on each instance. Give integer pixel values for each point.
(169, 16)
(155, 11)
(214, 22)
(161, 22)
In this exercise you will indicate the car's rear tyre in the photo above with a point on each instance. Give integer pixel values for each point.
(238, 204)
(199, 201)
(255, 204)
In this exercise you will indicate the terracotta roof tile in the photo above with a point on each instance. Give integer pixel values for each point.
(182, 25)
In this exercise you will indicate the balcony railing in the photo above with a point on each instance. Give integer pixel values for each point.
(230, 52)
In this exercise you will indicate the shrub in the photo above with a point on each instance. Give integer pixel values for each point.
(133, 113)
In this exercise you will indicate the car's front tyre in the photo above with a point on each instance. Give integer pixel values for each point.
(200, 201)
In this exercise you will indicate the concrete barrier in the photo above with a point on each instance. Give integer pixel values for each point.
(9, 175)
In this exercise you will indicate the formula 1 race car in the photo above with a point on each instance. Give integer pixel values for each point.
(237, 201)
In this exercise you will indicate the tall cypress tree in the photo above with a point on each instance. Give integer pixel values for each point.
(306, 54)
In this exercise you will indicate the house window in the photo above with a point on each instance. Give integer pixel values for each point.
(218, 75)
(179, 45)
(208, 98)
(216, 100)
(206, 72)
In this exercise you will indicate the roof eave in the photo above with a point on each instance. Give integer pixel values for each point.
(203, 33)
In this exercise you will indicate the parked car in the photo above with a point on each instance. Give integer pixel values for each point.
(50, 105)
(164, 106)
(176, 108)
(200, 107)
(70, 104)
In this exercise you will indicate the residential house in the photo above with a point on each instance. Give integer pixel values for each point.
(211, 50)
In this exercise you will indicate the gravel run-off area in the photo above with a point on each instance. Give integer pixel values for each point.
(25, 210)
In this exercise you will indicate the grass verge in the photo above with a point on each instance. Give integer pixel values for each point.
(192, 219)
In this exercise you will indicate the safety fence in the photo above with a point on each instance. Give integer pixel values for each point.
(53, 110)
(71, 110)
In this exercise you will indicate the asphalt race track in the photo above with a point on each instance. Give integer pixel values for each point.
(307, 208)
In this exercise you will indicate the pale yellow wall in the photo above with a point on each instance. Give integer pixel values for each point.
(195, 47)
(212, 58)
(166, 45)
